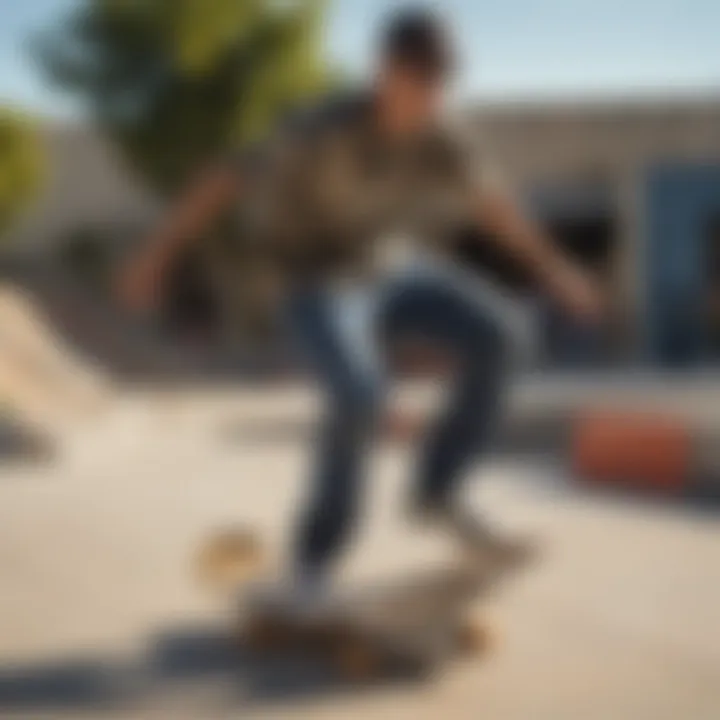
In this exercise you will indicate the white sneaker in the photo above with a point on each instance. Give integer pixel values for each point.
(306, 597)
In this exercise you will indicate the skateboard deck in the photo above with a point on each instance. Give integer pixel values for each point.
(408, 624)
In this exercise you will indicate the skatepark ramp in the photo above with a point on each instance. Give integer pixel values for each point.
(40, 376)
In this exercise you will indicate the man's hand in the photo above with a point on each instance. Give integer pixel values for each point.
(140, 282)
(565, 282)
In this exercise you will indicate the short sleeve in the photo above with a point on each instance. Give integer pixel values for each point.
(284, 175)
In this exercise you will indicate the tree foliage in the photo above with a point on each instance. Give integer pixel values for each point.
(21, 165)
(178, 81)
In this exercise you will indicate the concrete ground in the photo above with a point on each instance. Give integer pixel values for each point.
(101, 617)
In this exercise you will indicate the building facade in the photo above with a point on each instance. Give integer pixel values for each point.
(634, 188)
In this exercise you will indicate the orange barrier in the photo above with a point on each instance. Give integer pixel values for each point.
(640, 450)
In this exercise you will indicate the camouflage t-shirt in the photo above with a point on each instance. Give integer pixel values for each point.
(328, 192)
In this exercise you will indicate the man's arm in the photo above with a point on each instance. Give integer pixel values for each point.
(503, 220)
(211, 193)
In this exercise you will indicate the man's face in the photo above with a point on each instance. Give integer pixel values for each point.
(410, 99)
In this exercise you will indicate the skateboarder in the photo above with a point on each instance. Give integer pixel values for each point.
(353, 202)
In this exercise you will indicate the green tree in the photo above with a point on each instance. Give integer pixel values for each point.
(21, 165)
(175, 82)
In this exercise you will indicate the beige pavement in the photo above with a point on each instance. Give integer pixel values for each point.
(101, 618)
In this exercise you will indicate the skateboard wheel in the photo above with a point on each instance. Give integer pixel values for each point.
(356, 662)
(229, 557)
(472, 638)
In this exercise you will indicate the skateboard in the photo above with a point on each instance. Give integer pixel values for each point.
(408, 625)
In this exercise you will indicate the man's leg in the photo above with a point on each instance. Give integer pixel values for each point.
(336, 331)
(484, 331)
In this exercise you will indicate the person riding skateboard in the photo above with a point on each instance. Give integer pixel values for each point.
(352, 202)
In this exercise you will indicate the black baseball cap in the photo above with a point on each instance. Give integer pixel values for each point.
(418, 39)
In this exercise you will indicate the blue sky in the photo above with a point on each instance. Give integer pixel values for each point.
(511, 48)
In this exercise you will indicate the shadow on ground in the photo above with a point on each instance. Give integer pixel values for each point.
(201, 669)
